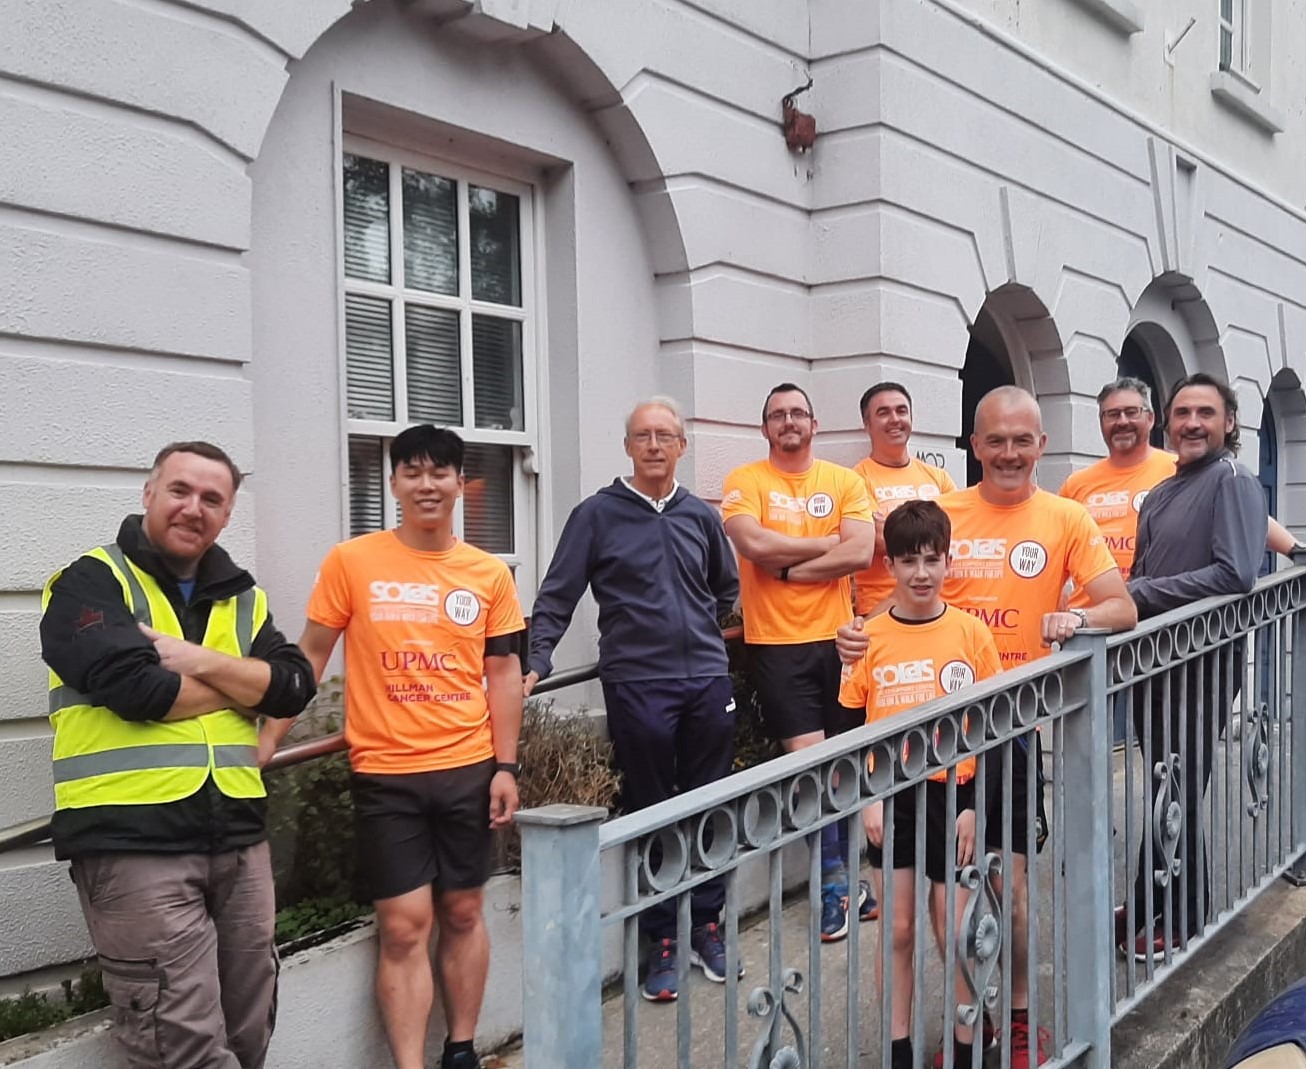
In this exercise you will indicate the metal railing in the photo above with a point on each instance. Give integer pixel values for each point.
(37, 831)
(1213, 800)
(586, 882)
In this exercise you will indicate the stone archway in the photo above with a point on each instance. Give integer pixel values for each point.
(1285, 420)
(1013, 341)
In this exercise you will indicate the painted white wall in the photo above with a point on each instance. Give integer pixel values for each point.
(1132, 69)
(154, 284)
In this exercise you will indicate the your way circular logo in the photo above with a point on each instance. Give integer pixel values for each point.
(1028, 559)
(820, 505)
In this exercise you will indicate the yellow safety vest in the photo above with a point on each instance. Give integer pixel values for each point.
(102, 759)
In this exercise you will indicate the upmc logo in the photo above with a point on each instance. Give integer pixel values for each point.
(1009, 619)
(405, 593)
(894, 675)
(417, 661)
(979, 548)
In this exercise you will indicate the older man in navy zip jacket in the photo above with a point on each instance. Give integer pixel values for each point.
(658, 562)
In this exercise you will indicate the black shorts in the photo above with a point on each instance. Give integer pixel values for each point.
(798, 689)
(1019, 800)
(421, 828)
(938, 862)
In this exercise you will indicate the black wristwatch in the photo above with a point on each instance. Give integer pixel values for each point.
(511, 767)
(784, 573)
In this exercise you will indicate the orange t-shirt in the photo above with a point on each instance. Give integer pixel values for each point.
(888, 488)
(1011, 562)
(909, 664)
(807, 505)
(415, 627)
(1113, 497)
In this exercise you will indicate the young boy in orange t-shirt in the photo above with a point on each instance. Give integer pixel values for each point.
(921, 649)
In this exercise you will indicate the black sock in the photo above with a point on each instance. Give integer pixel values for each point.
(462, 1046)
(900, 1054)
(962, 1054)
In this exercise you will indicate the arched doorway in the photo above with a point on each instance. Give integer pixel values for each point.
(1136, 363)
(1013, 342)
(984, 370)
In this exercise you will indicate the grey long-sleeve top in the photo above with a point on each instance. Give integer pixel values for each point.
(1200, 533)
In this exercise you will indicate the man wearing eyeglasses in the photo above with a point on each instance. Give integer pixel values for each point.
(1114, 488)
(660, 567)
(801, 527)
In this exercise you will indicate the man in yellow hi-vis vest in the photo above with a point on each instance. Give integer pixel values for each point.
(162, 655)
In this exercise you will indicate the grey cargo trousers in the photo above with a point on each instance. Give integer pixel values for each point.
(185, 942)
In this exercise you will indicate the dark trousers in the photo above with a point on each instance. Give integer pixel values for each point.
(1199, 697)
(669, 736)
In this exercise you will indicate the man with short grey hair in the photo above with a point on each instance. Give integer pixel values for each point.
(658, 563)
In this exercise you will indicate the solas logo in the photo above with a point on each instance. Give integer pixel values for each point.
(906, 493)
(904, 672)
(818, 505)
(390, 593)
(1108, 499)
(979, 548)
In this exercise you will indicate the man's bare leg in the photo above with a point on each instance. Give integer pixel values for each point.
(462, 959)
(404, 985)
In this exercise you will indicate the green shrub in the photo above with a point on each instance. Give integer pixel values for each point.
(32, 1010)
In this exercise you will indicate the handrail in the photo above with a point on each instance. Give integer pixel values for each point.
(36, 831)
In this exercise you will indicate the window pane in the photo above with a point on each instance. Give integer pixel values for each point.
(430, 233)
(497, 373)
(496, 246)
(434, 370)
(366, 485)
(1226, 10)
(367, 219)
(369, 369)
(487, 497)
(1226, 49)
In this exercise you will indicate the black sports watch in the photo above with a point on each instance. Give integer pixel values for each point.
(513, 768)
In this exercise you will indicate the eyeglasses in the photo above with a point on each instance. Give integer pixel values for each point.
(1131, 413)
(782, 414)
(664, 438)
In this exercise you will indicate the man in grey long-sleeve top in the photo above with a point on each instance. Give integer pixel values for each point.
(1200, 533)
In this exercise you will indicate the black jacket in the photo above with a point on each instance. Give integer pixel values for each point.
(88, 636)
(662, 581)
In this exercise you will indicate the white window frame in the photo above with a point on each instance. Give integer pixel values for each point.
(1240, 39)
(526, 442)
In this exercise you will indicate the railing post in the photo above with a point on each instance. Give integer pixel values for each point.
(562, 958)
(1086, 797)
(1297, 734)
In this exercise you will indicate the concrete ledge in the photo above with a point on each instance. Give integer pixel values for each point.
(1121, 15)
(1211, 997)
(1236, 95)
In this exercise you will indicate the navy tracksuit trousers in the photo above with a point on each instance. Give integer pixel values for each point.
(669, 736)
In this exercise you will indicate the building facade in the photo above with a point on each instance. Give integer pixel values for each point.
(293, 228)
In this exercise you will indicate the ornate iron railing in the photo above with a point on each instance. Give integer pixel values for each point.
(585, 882)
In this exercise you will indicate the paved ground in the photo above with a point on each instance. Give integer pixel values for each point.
(657, 1023)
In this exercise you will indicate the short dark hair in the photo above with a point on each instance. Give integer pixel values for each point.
(786, 387)
(915, 526)
(1230, 399)
(207, 450)
(441, 446)
(883, 387)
